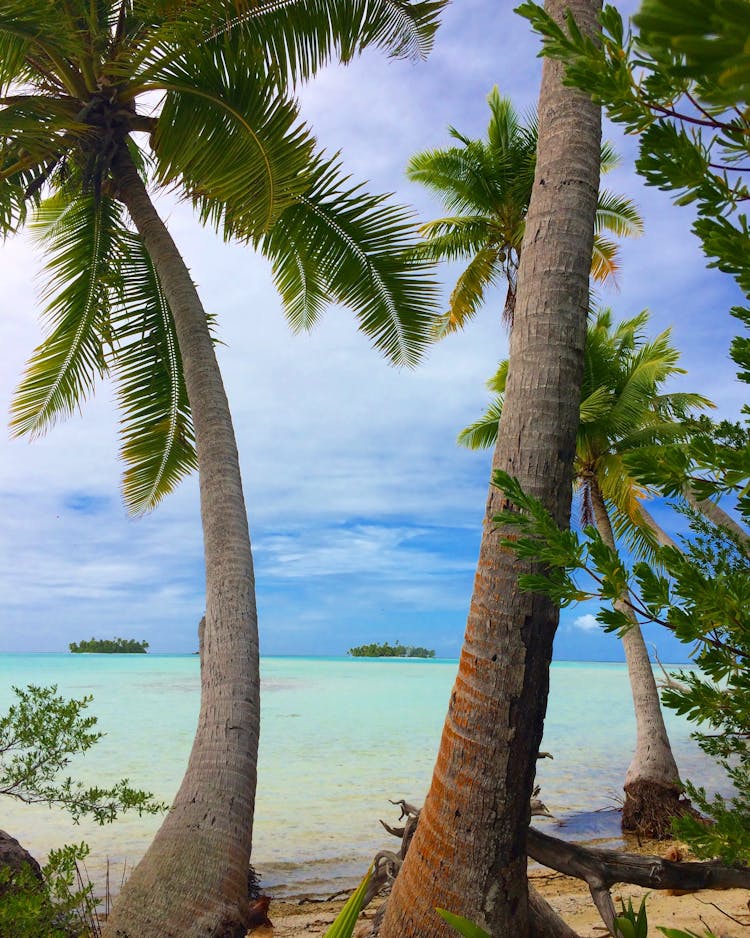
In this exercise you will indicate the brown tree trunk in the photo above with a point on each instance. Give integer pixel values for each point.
(193, 880)
(469, 851)
(716, 515)
(652, 782)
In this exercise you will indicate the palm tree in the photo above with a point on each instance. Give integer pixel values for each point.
(485, 185)
(469, 850)
(206, 90)
(623, 411)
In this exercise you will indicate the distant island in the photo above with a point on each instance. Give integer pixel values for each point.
(109, 646)
(386, 650)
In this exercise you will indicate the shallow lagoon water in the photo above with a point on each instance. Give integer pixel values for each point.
(340, 736)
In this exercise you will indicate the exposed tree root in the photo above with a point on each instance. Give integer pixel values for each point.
(650, 807)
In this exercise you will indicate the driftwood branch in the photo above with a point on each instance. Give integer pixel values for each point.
(599, 869)
(604, 868)
(668, 681)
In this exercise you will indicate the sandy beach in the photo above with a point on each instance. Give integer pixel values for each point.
(305, 916)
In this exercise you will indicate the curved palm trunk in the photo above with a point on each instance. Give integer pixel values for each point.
(193, 881)
(662, 538)
(469, 851)
(716, 515)
(652, 782)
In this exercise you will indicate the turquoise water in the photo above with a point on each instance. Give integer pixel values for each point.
(340, 737)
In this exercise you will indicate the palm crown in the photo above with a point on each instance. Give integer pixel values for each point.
(623, 411)
(486, 185)
(207, 90)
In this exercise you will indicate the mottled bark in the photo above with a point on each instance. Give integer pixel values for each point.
(193, 880)
(469, 852)
(652, 782)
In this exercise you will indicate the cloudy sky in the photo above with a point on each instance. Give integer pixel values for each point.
(365, 516)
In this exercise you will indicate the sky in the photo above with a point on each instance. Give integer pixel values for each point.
(365, 516)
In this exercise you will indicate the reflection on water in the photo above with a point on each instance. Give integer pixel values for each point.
(339, 738)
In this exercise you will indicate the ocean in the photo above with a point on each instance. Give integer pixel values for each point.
(339, 738)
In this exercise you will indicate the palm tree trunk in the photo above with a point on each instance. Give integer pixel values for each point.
(193, 880)
(716, 515)
(652, 782)
(469, 851)
(662, 538)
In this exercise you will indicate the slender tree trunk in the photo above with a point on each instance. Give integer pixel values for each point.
(469, 851)
(193, 880)
(652, 782)
(662, 538)
(716, 515)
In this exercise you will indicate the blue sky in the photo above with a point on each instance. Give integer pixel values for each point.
(365, 516)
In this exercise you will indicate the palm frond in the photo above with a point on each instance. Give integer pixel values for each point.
(617, 214)
(461, 176)
(157, 440)
(453, 237)
(356, 249)
(482, 434)
(294, 37)
(467, 296)
(78, 235)
(230, 141)
(39, 30)
(609, 158)
(596, 405)
(301, 36)
(604, 259)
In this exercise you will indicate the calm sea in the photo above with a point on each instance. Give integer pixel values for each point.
(339, 738)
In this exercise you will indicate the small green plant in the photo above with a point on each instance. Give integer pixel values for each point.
(632, 924)
(462, 925)
(344, 923)
(39, 735)
(59, 905)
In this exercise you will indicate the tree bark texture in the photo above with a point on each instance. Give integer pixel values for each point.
(193, 880)
(652, 782)
(469, 852)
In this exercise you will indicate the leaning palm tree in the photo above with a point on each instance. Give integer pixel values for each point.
(623, 412)
(485, 185)
(99, 102)
(468, 852)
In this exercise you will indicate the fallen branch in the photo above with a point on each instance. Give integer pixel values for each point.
(607, 867)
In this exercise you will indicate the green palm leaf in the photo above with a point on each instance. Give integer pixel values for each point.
(353, 249)
(158, 445)
(617, 214)
(482, 434)
(229, 140)
(295, 38)
(78, 234)
(622, 415)
(300, 36)
(452, 238)
(484, 270)
(490, 181)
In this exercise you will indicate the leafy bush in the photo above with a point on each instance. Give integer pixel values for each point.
(60, 905)
(39, 735)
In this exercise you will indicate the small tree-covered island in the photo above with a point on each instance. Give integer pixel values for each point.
(386, 650)
(109, 646)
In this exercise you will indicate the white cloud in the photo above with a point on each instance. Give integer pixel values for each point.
(587, 623)
(345, 460)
